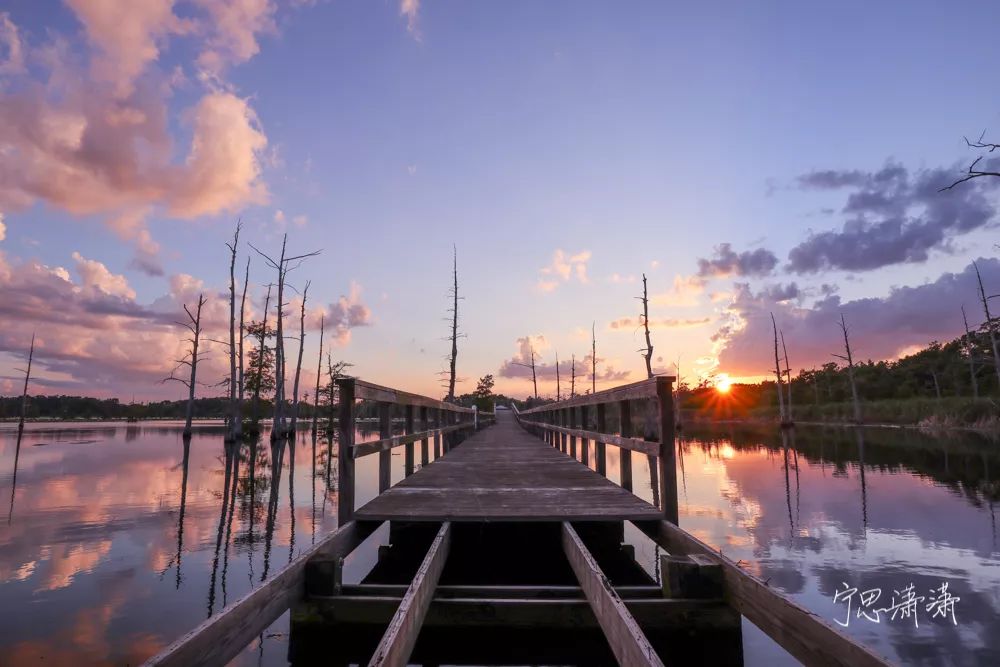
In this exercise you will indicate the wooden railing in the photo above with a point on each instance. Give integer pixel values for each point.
(221, 637)
(800, 632)
(585, 418)
(447, 418)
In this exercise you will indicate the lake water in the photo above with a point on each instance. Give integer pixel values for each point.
(113, 542)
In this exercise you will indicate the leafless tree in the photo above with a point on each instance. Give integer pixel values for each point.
(453, 357)
(298, 364)
(235, 422)
(593, 355)
(319, 371)
(647, 351)
(788, 374)
(989, 322)
(558, 383)
(970, 349)
(677, 391)
(973, 171)
(27, 378)
(334, 371)
(242, 379)
(283, 265)
(777, 373)
(534, 377)
(850, 369)
(572, 381)
(261, 354)
(190, 360)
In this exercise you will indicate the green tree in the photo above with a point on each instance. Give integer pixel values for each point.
(484, 393)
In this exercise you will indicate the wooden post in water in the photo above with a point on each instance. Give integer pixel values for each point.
(384, 456)
(408, 465)
(424, 444)
(584, 442)
(625, 412)
(668, 465)
(345, 452)
(599, 448)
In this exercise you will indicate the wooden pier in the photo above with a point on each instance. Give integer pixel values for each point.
(508, 550)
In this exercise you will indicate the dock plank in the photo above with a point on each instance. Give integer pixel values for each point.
(504, 473)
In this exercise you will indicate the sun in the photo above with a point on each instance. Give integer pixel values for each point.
(723, 383)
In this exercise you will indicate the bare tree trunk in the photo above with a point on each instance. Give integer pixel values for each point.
(558, 394)
(645, 323)
(232, 434)
(27, 378)
(572, 381)
(319, 370)
(454, 327)
(278, 422)
(262, 346)
(850, 369)
(534, 378)
(970, 349)
(788, 374)
(298, 365)
(241, 390)
(777, 373)
(593, 355)
(191, 361)
(989, 324)
(937, 387)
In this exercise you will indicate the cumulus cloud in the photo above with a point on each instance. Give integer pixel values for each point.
(519, 366)
(726, 262)
(668, 323)
(685, 291)
(3, 228)
(564, 268)
(93, 137)
(893, 216)
(881, 327)
(411, 9)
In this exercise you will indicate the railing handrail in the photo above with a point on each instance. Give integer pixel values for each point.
(369, 391)
(626, 392)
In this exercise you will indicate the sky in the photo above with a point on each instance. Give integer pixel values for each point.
(748, 158)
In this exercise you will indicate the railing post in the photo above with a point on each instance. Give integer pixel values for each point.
(563, 438)
(424, 444)
(599, 448)
(437, 434)
(625, 460)
(385, 456)
(475, 417)
(408, 465)
(668, 466)
(584, 442)
(571, 414)
(345, 452)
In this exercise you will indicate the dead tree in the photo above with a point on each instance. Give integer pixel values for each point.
(593, 356)
(972, 171)
(27, 378)
(989, 323)
(283, 265)
(453, 357)
(334, 371)
(647, 351)
(235, 423)
(242, 378)
(558, 384)
(970, 349)
(534, 378)
(319, 370)
(788, 374)
(850, 369)
(572, 386)
(777, 373)
(298, 364)
(190, 360)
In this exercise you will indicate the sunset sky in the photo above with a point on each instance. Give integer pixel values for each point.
(748, 157)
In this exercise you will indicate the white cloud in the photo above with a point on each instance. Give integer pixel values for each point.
(564, 268)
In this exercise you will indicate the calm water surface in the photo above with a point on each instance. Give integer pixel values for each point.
(116, 539)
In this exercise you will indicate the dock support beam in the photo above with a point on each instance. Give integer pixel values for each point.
(666, 459)
(345, 452)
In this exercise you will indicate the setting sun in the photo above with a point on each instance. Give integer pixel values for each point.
(723, 384)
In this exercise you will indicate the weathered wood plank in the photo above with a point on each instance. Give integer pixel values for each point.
(385, 444)
(809, 638)
(638, 591)
(219, 639)
(623, 633)
(369, 391)
(632, 444)
(345, 455)
(401, 635)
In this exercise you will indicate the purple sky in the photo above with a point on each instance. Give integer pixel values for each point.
(747, 158)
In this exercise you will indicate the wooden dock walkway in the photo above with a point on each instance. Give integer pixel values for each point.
(506, 549)
(506, 474)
